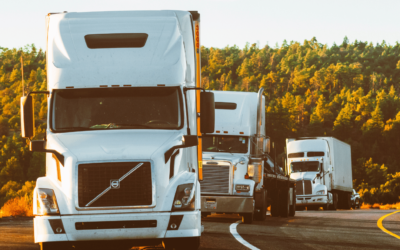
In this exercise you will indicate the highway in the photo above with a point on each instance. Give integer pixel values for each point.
(342, 229)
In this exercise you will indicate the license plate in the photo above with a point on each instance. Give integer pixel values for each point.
(210, 204)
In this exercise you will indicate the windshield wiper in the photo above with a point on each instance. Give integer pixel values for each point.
(75, 128)
(129, 125)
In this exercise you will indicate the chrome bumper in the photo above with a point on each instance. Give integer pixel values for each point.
(311, 200)
(227, 204)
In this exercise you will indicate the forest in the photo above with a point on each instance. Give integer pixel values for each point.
(350, 91)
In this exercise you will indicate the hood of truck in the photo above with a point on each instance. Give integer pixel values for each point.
(303, 175)
(104, 145)
(234, 158)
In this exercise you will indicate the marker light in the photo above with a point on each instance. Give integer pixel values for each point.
(250, 170)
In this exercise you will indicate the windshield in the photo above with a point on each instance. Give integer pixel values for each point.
(308, 166)
(232, 144)
(117, 108)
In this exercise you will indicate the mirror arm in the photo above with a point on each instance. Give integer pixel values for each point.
(39, 92)
(170, 151)
(59, 156)
(39, 146)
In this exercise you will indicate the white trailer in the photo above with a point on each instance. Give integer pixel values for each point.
(322, 169)
(239, 175)
(122, 158)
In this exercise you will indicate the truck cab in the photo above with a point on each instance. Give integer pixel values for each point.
(308, 160)
(239, 175)
(227, 186)
(322, 169)
(121, 144)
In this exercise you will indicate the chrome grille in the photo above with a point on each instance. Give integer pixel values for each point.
(303, 187)
(215, 179)
(134, 185)
(307, 187)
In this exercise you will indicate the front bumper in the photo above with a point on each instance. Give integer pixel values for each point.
(227, 204)
(307, 200)
(190, 227)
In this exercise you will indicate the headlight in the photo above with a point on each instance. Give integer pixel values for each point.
(321, 192)
(184, 197)
(47, 202)
(242, 188)
(250, 170)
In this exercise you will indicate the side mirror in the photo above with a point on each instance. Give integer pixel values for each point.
(37, 146)
(27, 118)
(207, 112)
(190, 140)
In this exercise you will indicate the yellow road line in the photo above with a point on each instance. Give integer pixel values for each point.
(384, 229)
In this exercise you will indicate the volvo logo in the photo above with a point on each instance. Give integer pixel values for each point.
(114, 184)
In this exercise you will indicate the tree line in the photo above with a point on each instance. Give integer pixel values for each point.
(349, 91)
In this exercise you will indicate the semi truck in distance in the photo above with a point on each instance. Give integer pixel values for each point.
(123, 152)
(239, 175)
(322, 169)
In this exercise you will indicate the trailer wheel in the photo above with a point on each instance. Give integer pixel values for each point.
(181, 243)
(346, 200)
(275, 203)
(284, 203)
(292, 210)
(261, 211)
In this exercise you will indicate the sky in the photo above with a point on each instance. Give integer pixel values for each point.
(227, 22)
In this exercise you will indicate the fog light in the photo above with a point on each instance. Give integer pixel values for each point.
(59, 230)
(174, 222)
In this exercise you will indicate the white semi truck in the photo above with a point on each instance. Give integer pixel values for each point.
(322, 169)
(123, 153)
(239, 176)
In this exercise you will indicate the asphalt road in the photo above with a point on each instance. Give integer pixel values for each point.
(343, 229)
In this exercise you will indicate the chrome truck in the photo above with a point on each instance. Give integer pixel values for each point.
(322, 169)
(123, 160)
(239, 175)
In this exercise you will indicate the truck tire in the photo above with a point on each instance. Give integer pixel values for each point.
(326, 207)
(292, 210)
(247, 218)
(53, 246)
(181, 243)
(205, 214)
(334, 206)
(357, 205)
(275, 203)
(261, 206)
(284, 203)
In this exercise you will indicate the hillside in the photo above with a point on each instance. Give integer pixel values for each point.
(349, 91)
